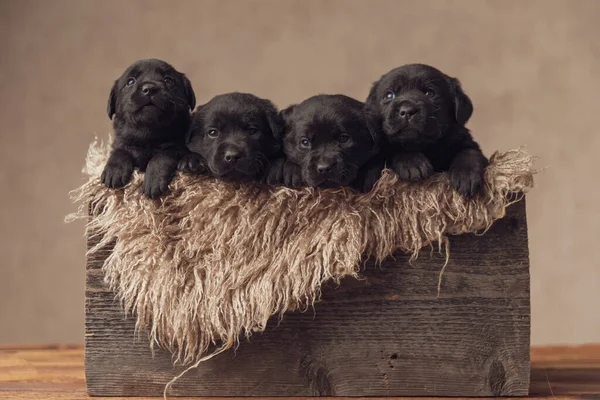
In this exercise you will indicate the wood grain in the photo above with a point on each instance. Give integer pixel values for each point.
(386, 335)
(56, 373)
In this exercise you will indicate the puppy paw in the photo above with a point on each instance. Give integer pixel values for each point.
(156, 184)
(369, 178)
(466, 180)
(412, 166)
(159, 173)
(274, 173)
(368, 184)
(292, 175)
(117, 175)
(192, 163)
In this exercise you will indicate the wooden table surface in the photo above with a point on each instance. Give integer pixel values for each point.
(56, 372)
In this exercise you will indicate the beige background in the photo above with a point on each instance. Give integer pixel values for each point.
(531, 68)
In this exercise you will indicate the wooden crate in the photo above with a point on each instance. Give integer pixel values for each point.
(388, 335)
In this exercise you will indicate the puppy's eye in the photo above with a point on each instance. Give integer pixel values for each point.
(213, 133)
(344, 138)
(389, 95)
(130, 81)
(168, 80)
(304, 142)
(253, 131)
(430, 93)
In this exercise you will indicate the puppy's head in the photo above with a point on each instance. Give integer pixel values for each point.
(151, 93)
(415, 104)
(237, 133)
(328, 137)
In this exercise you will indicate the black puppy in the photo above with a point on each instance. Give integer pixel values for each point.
(421, 114)
(234, 136)
(151, 105)
(326, 142)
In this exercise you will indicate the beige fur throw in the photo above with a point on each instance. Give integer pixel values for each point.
(212, 260)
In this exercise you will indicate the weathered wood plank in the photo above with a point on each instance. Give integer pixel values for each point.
(387, 335)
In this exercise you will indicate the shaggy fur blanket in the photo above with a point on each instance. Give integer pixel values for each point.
(212, 260)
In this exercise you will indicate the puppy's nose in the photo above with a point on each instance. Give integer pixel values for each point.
(325, 167)
(407, 110)
(232, 156)
(149, 88)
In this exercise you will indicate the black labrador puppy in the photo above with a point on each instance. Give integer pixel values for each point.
(420, 114)
(234, 137)
(326, 142)
(151, 105)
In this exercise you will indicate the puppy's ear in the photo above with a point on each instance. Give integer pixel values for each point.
(373, 121)
(274, 119)
(276, 124)
(196, 125)
(463, 107)
(112, 101)
(190, 96)
(372, 100)
(372, 113)
(285, 116)
(286, 113)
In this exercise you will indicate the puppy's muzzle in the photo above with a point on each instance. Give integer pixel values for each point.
(325, 166)
(232, 155)
(149, 88)
(150, 93)
(407, 110)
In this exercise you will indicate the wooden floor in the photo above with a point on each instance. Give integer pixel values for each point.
(56, 372)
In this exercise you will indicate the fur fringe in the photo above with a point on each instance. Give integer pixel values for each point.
(213, 260)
